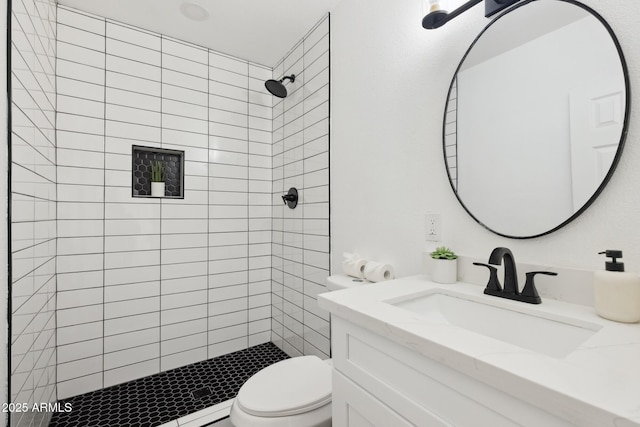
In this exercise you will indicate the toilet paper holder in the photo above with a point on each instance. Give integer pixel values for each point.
(291, 198)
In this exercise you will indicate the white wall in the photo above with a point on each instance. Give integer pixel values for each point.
(389, 80)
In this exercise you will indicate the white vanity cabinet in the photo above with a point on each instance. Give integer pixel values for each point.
(377, 382)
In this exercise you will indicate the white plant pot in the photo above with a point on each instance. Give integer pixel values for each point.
(157, 189)
(444, 270)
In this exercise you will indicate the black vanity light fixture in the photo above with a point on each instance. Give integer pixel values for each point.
(437, 17)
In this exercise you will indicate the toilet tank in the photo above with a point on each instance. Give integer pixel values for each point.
(340, 281)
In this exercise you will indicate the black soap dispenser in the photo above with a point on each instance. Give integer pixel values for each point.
(617, 293)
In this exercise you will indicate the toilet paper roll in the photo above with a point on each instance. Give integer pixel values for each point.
(353, 265)
(378, 272)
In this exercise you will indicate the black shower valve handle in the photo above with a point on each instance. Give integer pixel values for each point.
(291, 198)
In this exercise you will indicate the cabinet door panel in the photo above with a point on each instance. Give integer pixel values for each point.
(354, 407)
(414, 385)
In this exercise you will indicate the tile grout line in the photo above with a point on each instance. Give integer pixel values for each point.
(302, 178)
(104, 205)
(160, 216)
(209, 204)
(55, 127)
(248, 212)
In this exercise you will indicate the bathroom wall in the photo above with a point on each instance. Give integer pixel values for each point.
(33, 208)
(390, 84)
(301, 235)
(147, 285)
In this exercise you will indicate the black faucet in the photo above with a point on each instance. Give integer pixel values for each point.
(510, 274)
(529, 293)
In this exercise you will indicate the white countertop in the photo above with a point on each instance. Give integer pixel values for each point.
(598, 384)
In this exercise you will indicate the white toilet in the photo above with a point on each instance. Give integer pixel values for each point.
(294, 392)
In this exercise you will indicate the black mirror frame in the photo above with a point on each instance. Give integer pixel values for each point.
(623, 136)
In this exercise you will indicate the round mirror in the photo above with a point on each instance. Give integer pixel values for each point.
(536, 117)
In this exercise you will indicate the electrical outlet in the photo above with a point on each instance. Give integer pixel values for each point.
(432, 227)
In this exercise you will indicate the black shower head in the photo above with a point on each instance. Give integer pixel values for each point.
(276, 88)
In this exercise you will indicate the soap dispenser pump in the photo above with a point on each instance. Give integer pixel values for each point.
(617, 293)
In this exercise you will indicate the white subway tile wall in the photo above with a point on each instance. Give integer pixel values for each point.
(300, 248)
(147, 285)
(33, 208)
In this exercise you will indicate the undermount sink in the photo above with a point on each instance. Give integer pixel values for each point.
(541, 332)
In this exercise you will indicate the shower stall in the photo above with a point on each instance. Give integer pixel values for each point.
(109, 284)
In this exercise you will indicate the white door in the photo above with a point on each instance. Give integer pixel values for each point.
(597, 117)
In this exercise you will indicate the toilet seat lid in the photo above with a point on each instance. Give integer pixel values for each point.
(289, 387)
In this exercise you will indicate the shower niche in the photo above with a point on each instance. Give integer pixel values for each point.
(142, 162)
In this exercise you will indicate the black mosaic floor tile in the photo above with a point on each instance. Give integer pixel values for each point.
(163, 397)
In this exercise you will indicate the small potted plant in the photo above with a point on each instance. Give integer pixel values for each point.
(444, 265)
(157, 178)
